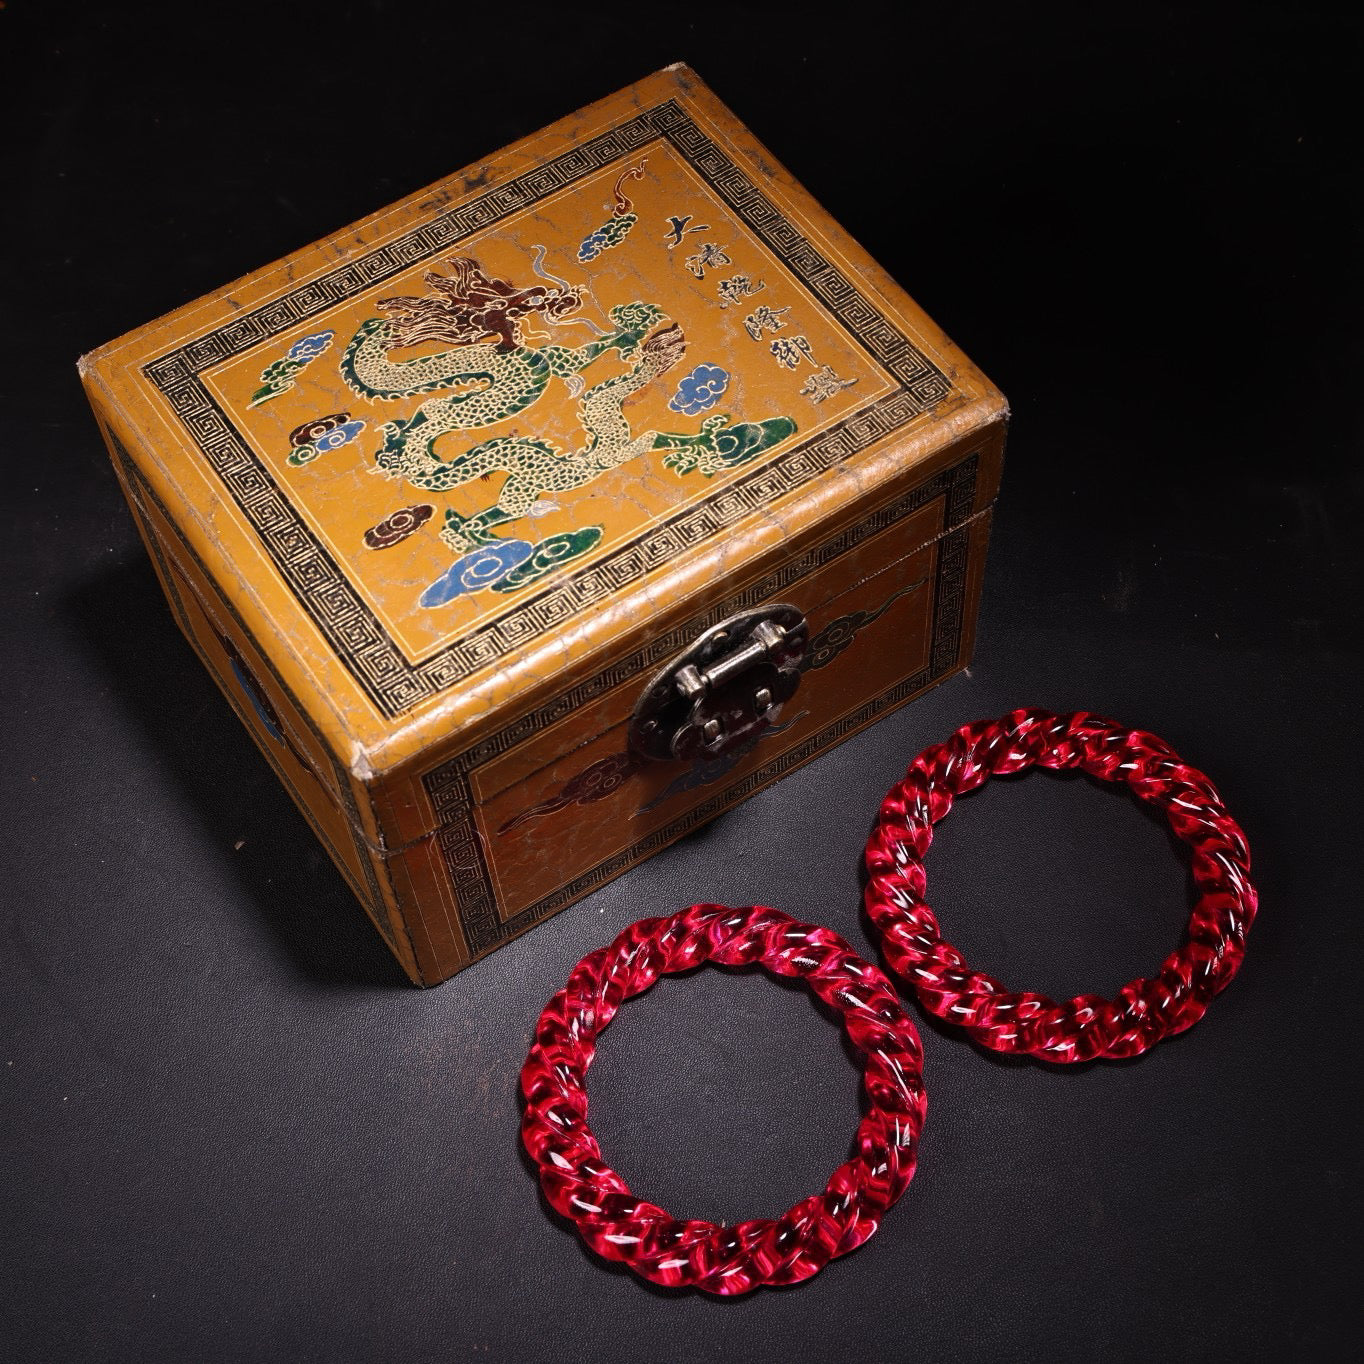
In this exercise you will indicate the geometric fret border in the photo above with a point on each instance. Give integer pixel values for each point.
(395, 684)
(448, 787)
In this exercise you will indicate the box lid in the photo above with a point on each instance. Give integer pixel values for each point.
(447, 459)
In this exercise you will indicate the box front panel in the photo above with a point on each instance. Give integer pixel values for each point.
(556, 805)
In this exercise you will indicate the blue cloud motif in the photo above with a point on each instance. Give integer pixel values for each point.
(700, 389)
(480, 568)
(338, 435)
(610, 233)
(249, 687)
(309, 347)
(593, 245)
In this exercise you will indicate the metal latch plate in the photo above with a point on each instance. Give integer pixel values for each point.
(722, 691)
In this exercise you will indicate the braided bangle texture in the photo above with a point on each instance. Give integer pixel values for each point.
(1088, 1026)
(722, 1259)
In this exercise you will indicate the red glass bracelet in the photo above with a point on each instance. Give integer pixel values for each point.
(1087, 1026)
(722, 1259)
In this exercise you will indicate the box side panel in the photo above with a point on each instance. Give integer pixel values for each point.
(296, 753)
(432, 883)
(555, 805)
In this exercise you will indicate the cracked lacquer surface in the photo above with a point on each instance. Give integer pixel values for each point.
(463, 473)
(549, 407)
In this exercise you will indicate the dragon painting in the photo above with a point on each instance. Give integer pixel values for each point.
(490, 372)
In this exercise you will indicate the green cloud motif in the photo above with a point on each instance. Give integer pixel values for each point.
(549, 554)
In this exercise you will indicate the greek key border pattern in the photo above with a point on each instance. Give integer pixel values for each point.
(392, 683)
(447, 786)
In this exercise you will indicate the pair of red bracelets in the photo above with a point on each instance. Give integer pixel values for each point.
(734, 1259)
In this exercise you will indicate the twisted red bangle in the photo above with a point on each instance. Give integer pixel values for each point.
(722, 1259)
(1087, 1026)
(730, 1260)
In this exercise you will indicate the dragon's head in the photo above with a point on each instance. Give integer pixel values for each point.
(560, 303)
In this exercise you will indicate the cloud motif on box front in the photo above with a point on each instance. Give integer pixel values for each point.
(609, 234)
(278, 376)
(321, 434)
(310, 347)
(476, 570)
(617, 227)
(548, 555)
(314, 427)
(340, 435)
(700, 389)
(398, 525)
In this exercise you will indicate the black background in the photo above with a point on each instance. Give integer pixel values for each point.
(228, 1129)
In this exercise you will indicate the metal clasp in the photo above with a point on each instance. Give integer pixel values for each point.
(723, 691)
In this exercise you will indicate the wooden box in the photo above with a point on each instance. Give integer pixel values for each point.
(545, 515)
